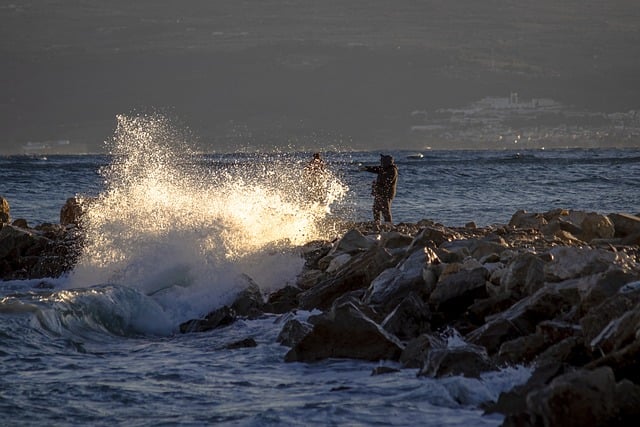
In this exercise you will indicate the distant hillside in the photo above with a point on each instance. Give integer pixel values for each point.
(306, 73)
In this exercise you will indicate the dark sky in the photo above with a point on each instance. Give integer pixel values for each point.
(303, 74)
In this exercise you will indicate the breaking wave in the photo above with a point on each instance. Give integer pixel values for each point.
(185, 229)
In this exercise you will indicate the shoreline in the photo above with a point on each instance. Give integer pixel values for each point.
(557, 291)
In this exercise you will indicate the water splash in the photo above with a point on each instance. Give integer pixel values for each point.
(183, 227)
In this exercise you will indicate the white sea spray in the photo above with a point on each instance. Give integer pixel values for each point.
(184, 232)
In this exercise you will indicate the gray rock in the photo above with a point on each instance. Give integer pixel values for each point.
(345, 332)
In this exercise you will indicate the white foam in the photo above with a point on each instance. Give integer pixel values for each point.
(185, 234)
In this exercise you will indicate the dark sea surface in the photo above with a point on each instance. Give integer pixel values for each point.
(170, 238)
(451, 187)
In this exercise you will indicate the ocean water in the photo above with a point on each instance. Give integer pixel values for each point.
(171, 234)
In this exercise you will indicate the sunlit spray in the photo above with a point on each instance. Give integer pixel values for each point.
(184, 230)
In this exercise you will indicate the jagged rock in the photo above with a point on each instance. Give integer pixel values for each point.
(393, 284)
(395, 240)
(292, 332)
(524, 219)
(596, 226)
(570, 351)
(578, 398)
(5, 211)
(524, 274)
(469, 361)
(309, 278)
(620, 332)
(625, 224)
(476, 248)
(571, 262)
(223, 316)
(484, 307)
(283, 300)
(416, 351)
(357, 274)
(431, 236)
(594, 322)
(625, 362)
(249, 302)
(598, 287)
(409, 319)
(521, 349)
(345, 332)
(520, 319)
(338, 262)
(313, 251)
(455, 292)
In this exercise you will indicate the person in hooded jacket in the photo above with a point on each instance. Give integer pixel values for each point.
(384, 188)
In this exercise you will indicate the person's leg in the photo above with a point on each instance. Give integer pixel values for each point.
(386, 210)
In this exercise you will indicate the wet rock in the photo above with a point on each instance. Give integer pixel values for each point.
(283, 300)
(345, 332)
(249, 302)
(469, 361)
(293, 331)
(416, 351)
(221, 317)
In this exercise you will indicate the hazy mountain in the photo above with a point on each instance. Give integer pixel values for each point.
(302, 74)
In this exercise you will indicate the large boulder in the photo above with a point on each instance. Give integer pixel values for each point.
(357, 274)
(409, 319)
(293, 331)
(597, 319)
(520, 319)
(218, 318)
(455, 292)
(395, 283)
(569, 262)
(417, 350)
(625, 224)
(469, 361)
(21, 250)
(345, 332)
(249, 302)
(524, 275)
(584, 398)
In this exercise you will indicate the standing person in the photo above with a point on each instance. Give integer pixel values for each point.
(316, 163)
(315, 179)
(384, 188)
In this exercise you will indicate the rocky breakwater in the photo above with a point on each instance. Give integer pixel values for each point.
(45, 250)
(557, 291)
